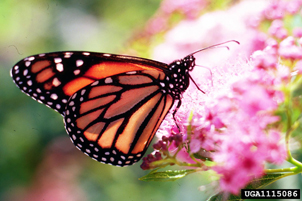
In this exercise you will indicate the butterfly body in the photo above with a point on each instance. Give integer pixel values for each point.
(112, 104)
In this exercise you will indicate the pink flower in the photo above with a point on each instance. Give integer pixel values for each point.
(277, 30)
(195, 145)
(289, 50)
(239, 164)
(300, 41)
(293, 6)
(275, 10)
(263, 60)
(297, 32)
(275, 151)
(256, 98)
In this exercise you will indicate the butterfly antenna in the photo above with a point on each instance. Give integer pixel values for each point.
(219, 45)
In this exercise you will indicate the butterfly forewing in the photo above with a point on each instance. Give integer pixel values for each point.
(116, 127)
(53, 77)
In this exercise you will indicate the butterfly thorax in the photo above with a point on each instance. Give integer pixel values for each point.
(178, 79)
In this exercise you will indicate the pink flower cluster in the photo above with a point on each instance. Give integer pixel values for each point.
(278, 9)
(233, 126)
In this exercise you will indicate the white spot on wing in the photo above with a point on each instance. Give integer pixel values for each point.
(31, 58)
(68, 54)
(76, 72)
(73, 96)
(58, 60)
(59, 67)
(56, 82)
(79, 63)
(58, 106)
(108, 80)
(71, 103)
(25, 72)
(54, 96)
(95, 83)
(29, 83)
(131, 72)
(27, 63)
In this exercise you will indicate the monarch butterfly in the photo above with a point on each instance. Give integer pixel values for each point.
(112, 104)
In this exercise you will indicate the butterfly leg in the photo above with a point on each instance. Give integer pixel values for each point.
(174, 112)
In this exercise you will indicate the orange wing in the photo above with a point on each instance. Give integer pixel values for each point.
(114, 119)
(53, 77)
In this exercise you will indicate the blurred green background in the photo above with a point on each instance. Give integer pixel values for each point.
(37, 159)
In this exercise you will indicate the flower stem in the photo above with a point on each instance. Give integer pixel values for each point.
(292, 169)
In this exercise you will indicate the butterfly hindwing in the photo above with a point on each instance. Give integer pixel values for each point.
(114, 119)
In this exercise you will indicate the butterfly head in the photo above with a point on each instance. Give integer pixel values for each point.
(189, 62)
(183, 66)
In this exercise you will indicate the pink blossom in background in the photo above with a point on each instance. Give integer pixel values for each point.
(275, 10)
(212, 28)
(190, 8)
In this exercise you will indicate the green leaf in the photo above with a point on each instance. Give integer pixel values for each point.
(169, 175)
(203, 154)
(255, 184)
(297, 88)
